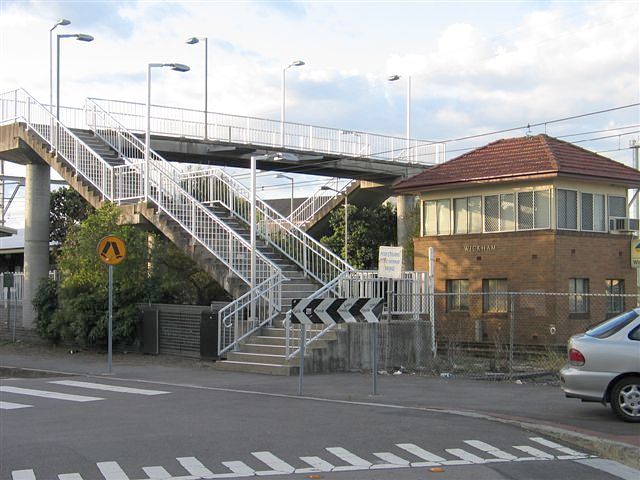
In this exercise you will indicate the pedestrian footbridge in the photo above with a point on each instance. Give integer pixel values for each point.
(98, 150)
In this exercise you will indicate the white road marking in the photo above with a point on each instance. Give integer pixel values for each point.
(354, 461)
(613, 468)
(496, 452)
(239, 469)
(569, 453)
(110, 388)
(48, 394)
(112, 471)
(70, 476)
(466, 458)
(534, 452)
(23, 475)
(277, 465)
(432, 460)
(317, 465)
(12, 406)
(195, 467)
(157, 473)
(392, 461)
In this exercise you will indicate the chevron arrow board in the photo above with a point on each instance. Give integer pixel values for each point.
(336, 310)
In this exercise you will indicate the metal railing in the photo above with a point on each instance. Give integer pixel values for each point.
(215, 186)
(307, 210)
(189, 123)
(202, 224)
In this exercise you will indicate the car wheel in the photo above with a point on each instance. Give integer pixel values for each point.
(625, 399)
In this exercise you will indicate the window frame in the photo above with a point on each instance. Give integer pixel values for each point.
(457, 301)
(497, 296)
(578, 210)
(613, 298)
(574, 294)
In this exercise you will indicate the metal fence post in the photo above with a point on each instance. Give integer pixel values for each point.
(374, 356)
(303, 328)
(512, 323)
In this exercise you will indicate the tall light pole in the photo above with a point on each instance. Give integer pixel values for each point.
(193, 41)
(62, 22)
(296, 63)
(78, 36)
(280, 175)
(394, 78)
(346, 220)
(178, 67)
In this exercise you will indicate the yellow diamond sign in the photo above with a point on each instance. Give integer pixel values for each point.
(111, 250)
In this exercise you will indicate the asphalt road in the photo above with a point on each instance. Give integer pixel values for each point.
(165, 429)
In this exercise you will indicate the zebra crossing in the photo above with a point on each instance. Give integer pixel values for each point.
(66, 396)
(407, 455)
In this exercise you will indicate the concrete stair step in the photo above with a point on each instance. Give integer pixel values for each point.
(253, 367)
(271, 359)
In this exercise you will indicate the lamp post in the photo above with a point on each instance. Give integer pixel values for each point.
(178, 67)
(193, 41)
(394, 78)
(346, 220)
(78, 36)
(296, 63)
(280, 175)
(62, 22)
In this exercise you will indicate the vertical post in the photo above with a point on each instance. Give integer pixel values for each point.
(253, 237)
(15, 317)
(284, 70)
(57, 78)
(303, 335)
(408, 112)
(432, 302)
(374, 357)
(512, 325)
(110, 327)
(206, 85)
(346, 226)
(147, 137)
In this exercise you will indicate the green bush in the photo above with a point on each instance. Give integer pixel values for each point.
(45, 302)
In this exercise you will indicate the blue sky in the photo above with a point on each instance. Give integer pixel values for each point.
(475, 66)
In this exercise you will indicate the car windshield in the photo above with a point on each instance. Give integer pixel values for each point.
(613, 325)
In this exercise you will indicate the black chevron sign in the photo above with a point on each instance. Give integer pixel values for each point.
(327, 311)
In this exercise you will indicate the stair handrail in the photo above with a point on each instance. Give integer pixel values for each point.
(188, 123)
(311, 256)
(318, 200)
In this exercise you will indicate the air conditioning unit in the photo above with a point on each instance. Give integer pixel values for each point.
(623, 224)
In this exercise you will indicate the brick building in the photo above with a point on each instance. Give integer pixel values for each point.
(533, 214)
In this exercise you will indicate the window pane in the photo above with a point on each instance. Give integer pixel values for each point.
(457, 298)
(617, 206)
(578, 300)
(567, 209)
(615, 300)
(587, 211)
(444, 217)
(430, 224)
(474, 208)
(491, 213)
(525, 210)
(507, 215)
(541, 209)
(460, 215)
(599, 220)
(494, 297)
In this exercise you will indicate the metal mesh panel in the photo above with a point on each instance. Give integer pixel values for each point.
(599, 220)
(567, 209)
(474, 207)
(491, 213)
(617, 206)
(460, 215)
(587, 211)
(525, 210)
(430, 219)
(541, 209)
(507, 212)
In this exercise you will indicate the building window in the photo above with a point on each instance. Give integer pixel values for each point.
(617, 206)
(499, 214)
(467, 215)
(541, 209)
(494, 298)
(578, 295)
(567, 209)
(437, 215)
(615, 298)
(457, 295)
(592, 212)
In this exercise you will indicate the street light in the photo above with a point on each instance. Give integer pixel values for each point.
(82, 37)
(193, 41)
(394, 78)
(178, 67)
(346, 219)
(296, 63)
(280, 175)
(62, 22)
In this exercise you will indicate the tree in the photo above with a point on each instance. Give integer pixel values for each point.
(369, 228)
(67, 209)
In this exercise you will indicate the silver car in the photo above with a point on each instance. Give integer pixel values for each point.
(604, 365)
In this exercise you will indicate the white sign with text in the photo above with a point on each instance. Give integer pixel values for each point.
(390, 262)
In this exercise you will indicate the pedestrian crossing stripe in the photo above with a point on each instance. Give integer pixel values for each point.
(196, 470)
(12, 406)
(109, 388)
(47, 394)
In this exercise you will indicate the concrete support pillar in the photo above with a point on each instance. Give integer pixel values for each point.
(405, 205)
(36, 236)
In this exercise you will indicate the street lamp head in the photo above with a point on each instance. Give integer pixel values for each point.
(179, 67)
(63, 22)
(83, 37)
(393, 78)
(296, 63)
(280, 175)
(324, 187)
(193, 40)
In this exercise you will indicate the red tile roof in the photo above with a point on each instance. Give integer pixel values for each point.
(519, 158)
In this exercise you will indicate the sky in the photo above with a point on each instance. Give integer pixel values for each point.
(476, 67)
